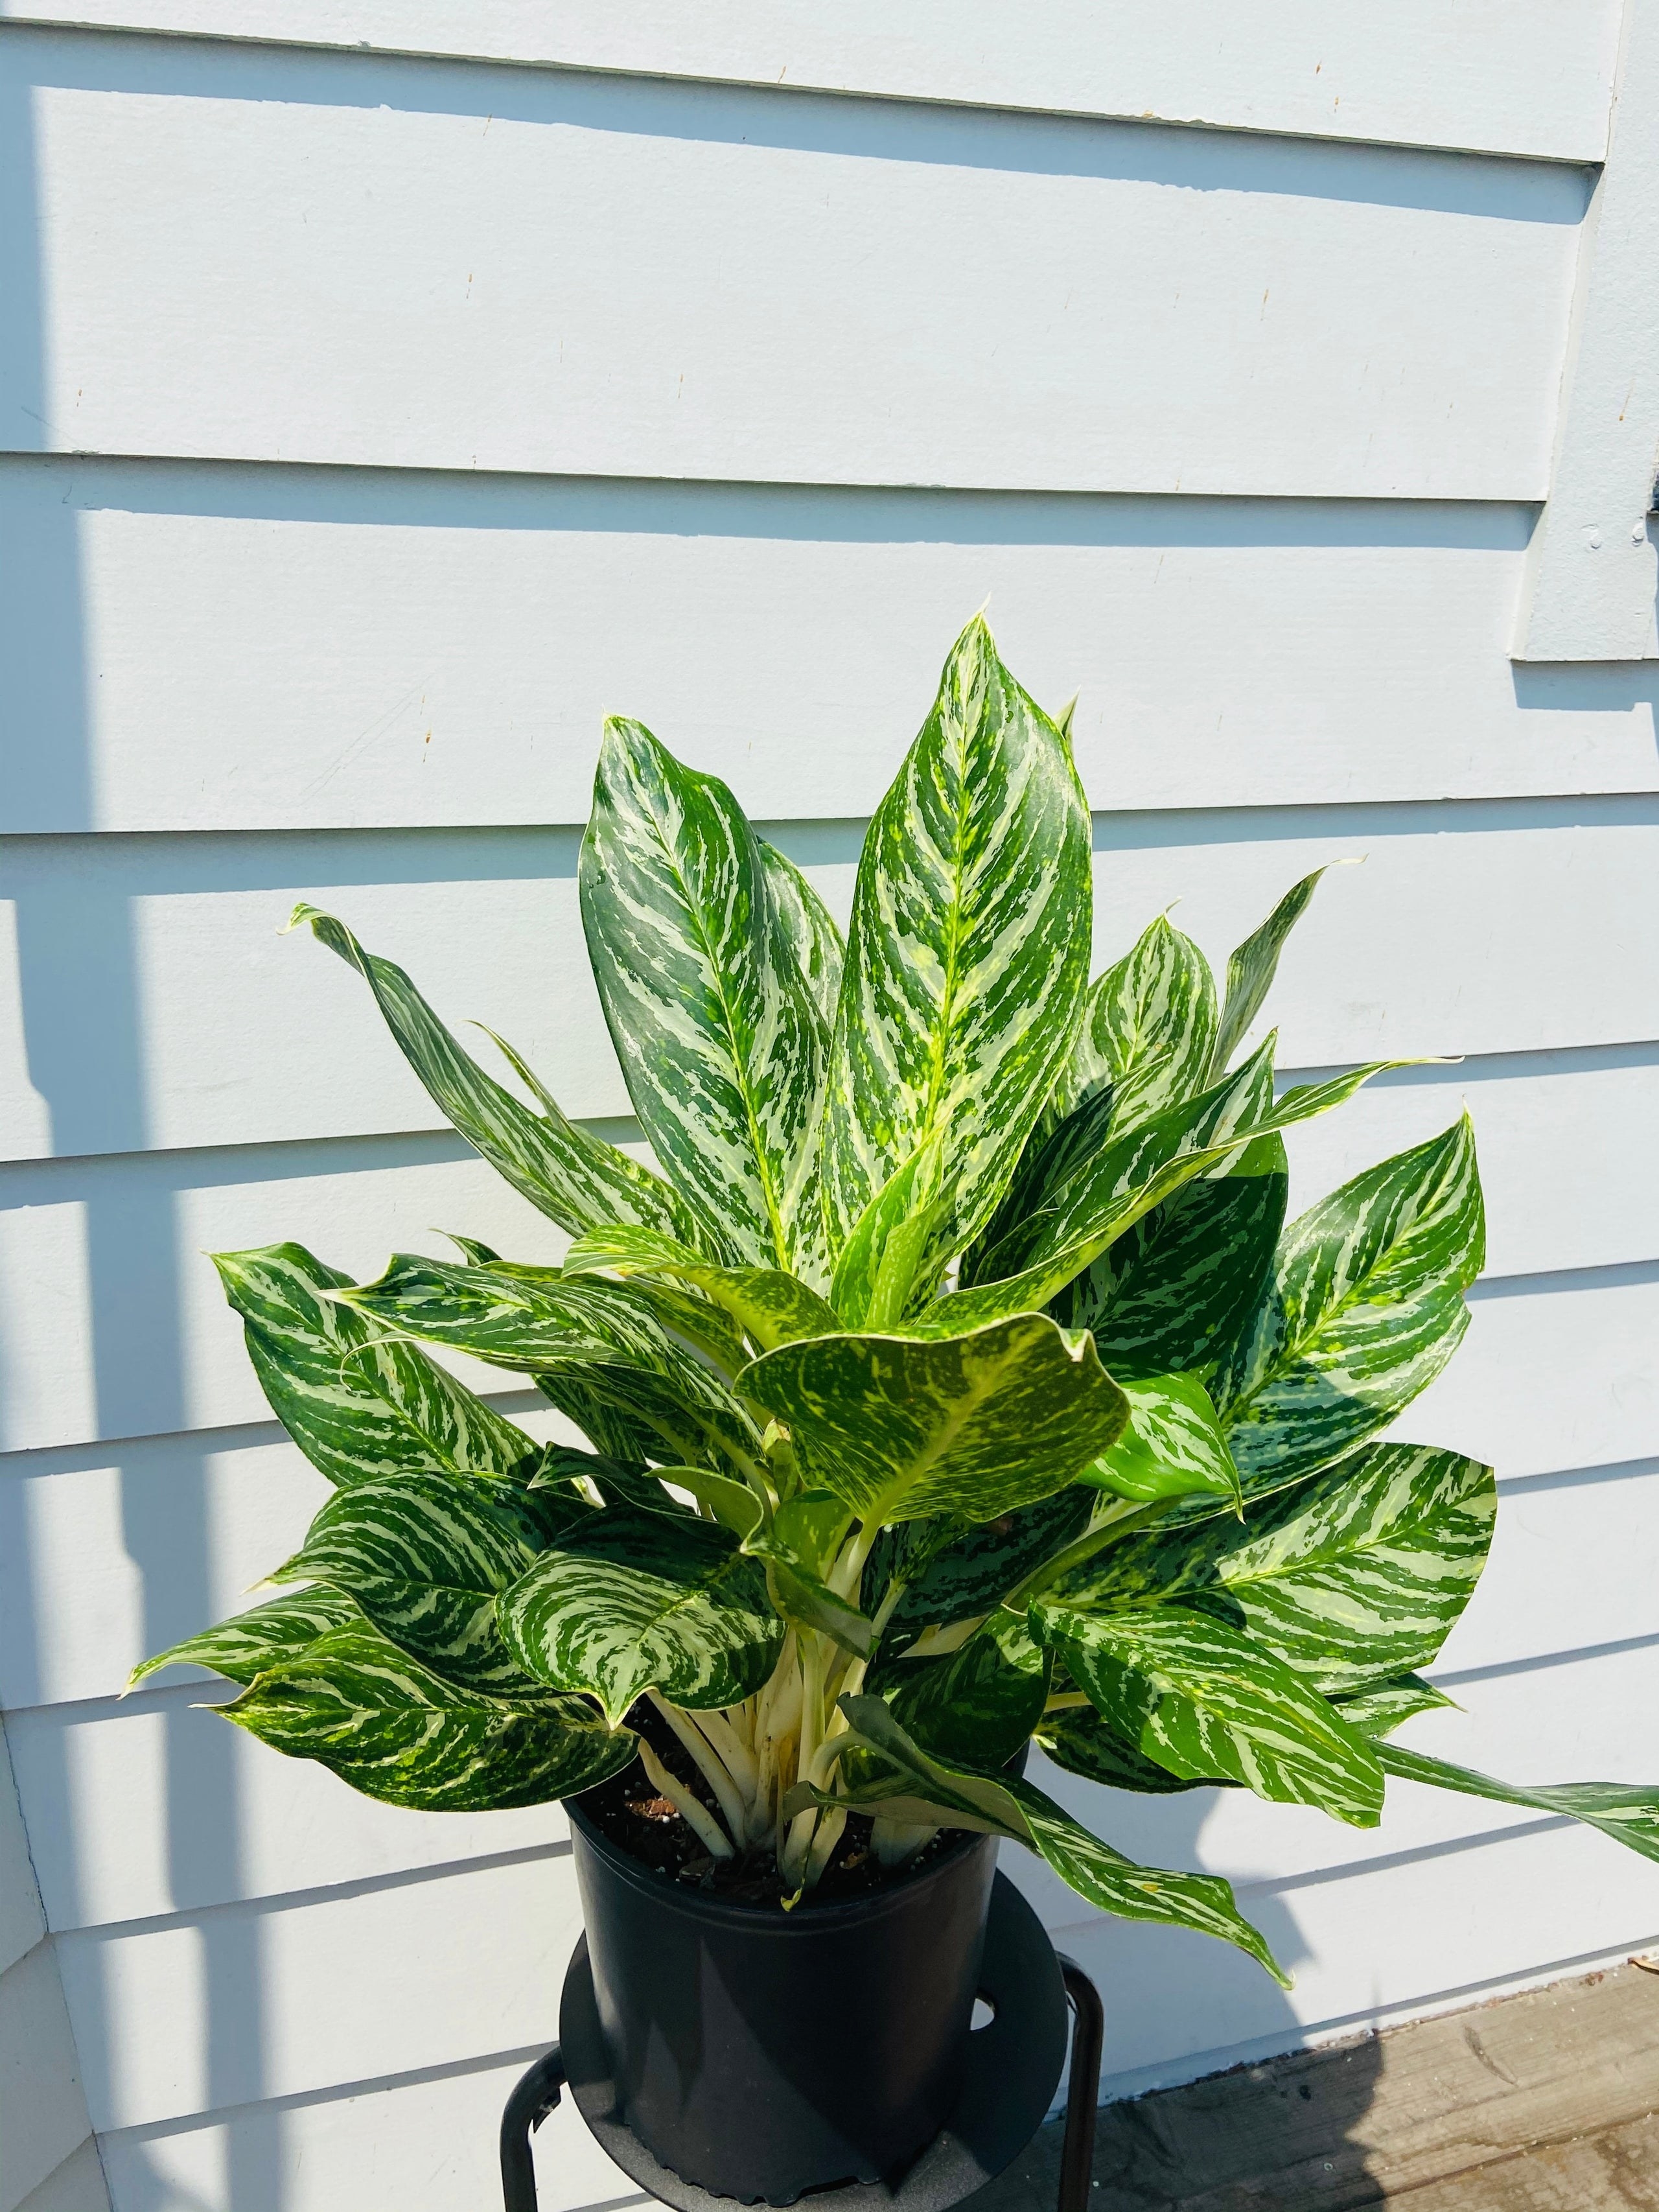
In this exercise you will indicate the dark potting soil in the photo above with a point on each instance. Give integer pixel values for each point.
(631, 1815)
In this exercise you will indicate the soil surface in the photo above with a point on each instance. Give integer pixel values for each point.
(631, 1815)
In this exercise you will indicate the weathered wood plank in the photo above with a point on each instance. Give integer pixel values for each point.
(1542, 2102)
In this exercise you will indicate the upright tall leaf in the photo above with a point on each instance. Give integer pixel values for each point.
(717, 1022)
(976, 1425)
(1354, 1577)
(575, 1178)
(359, 1403)
(968, 955)
(1252, 966)
(1364, 1308)
(1150, 1027)
(808, 926)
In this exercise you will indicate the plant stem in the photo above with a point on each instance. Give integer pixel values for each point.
(708, 1763)
(697, 1817)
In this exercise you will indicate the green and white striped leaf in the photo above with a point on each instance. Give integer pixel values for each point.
(1150, 1028)
(1078, 1738)
(801, 1597)
(1626, 1811)
(1171, 1445)
(812, 943)
(771, 1307)
(975, 1707)
(888, 1247)
(937, 1791)
(1056, 1150)
(967, 958)
(1364, 1308)
(395, 1730)
(266, 1636)
(1202, 1700)
(575, 1178)
(1385, 1706)
(721, 1031)
(953, 1570)
(358, 1404)
(536, 1320)
(425, 1557)
(610, 1417)
(1352, 1577)
(979, 1425)
(1177, 1287)
(1252, 966)
(635, 1604)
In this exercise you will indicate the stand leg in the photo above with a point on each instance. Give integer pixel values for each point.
(534, 2097)
(1077, 2154)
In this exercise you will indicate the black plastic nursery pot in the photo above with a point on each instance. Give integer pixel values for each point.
(760, 2053)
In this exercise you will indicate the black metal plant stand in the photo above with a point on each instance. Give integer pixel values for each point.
(1013, 2068)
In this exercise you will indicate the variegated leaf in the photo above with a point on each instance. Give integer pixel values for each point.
(1177, 1287)
(1007, 1807)
(1202, 1700)
(771, 1307)
(1079, 1739)
(1364, 1308)
(888, 1246)
(633, 1604)
(1252, 966)
(967, 958)
(395, 1730)
(975, 1707)
(952, 1569)
(536, 1320)
(977, 1425)
(800, 1596)
(1352, 1577)
(1053, 1156)
(1385, 1706)
(574, 1177)
(425, 1557)
(813, 942)
(1171, 1445)
(1123, 1184)
(1626, 1811)
(609, 1417)
(266, 1636)
(1150, 1028)
(721, 1035)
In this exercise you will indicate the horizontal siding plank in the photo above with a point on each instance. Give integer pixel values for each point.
(1533, 80)
(244, 648)
(115, 1325)
(1537, 928)
(211, 1818)
(258, 254)
(430, 2143)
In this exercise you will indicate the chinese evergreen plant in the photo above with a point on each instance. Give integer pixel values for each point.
(951, 1379)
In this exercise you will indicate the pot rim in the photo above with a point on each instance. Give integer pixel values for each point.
(764, 1919)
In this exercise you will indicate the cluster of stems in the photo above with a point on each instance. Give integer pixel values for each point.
(752, 1755)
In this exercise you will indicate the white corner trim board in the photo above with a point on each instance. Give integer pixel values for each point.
(1589, 591)
(1528, 77)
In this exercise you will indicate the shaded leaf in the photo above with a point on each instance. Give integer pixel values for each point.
(1172, 1443)
(954, 1570)
(1626, 1811)
(1078, 1738)
(975, 1707)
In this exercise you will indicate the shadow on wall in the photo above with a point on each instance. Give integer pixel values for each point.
(82, 1019)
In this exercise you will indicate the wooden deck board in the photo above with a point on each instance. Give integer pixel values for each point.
(1544, 2102)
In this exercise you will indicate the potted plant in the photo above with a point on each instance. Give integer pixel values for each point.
(952, 1383)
